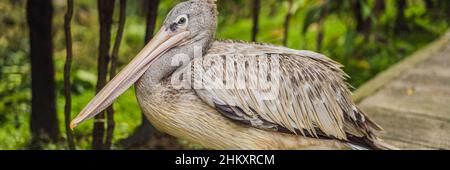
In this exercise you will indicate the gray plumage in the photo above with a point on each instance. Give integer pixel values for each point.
(238, 95)
(313, 100)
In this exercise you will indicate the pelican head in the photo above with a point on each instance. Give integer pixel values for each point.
(189, 24)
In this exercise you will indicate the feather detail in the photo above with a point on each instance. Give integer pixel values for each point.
(312, 93)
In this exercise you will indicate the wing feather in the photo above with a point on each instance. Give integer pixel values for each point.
(312, 99)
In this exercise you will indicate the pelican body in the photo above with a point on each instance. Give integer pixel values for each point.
(238, 95)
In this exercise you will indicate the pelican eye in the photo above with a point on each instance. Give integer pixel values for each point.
(182, 20)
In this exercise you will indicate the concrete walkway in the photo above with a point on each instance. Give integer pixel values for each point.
(412, 99)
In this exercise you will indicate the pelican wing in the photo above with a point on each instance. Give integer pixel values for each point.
(280, 89)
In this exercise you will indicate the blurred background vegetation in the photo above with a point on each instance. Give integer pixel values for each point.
(367, 36)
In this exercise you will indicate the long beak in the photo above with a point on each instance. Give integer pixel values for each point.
(163, 41)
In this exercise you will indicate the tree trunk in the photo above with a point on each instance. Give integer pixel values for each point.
(256, 9)
(105, 10)
(400, 22)
(115, 55)
(151, 16)
(286, 23)
(362, 25)
(321, 25)
(429, 4)
(67, 67)
(379, 7)
(319, 37)
(357, 13)
(43, 119)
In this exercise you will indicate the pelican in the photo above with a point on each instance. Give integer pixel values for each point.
(245, 96)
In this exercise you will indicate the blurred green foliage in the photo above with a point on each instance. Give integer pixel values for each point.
(363, 54)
